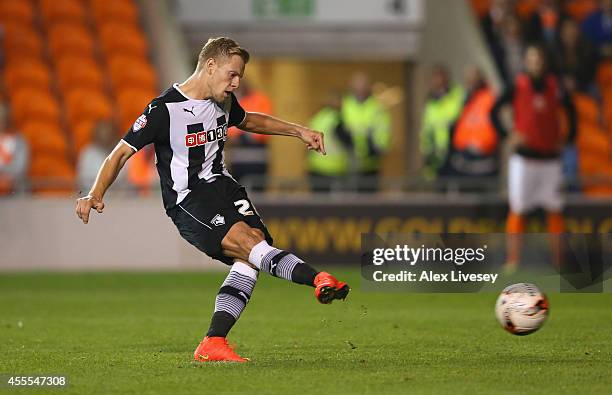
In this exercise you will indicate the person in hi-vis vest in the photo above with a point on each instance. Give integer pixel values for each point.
(369, 123)
(329, 171)
(442, 108)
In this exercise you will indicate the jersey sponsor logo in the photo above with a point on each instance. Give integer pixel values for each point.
(189, 111)
(218, 220)
(140, 123)
(204, 137)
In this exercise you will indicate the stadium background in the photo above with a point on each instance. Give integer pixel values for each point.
(67, 64)
(119, 305)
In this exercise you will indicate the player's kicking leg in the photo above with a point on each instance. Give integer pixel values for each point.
(246, 243)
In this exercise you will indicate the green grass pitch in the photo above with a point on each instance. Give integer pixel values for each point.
(135, 333)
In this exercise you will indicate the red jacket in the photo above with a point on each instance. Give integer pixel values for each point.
(536, 114)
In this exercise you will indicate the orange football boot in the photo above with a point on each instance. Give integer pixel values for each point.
(213, 349)
(327, 288)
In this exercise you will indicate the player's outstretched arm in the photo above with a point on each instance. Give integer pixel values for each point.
(106, 175)
(256, 122)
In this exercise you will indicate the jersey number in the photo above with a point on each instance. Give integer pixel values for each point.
(243, 205)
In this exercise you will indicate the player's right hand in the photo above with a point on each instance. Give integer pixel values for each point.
(85, 204)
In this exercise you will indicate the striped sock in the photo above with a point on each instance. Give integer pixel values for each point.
(232, 298)
(282, 264)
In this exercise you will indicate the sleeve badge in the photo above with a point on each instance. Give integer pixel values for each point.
(140, 123)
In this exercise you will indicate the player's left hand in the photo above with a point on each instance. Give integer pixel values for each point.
(313, 139)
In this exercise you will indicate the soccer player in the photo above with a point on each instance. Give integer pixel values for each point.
(535, 169)
(188, 126)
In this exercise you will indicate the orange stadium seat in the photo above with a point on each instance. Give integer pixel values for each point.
(580, 9)
(70, 38)
(606, 93)
(587, 109)
(592, 141)
(19, 53)
(34, 103)
(26, 73)
(608, 112)
(44, 137)
(54, 11)
(16, 10)
(595, 148)
(51, 175)
(82, 132)
(132, 41)
(131, 72)
(21, 41)
(598, 190)
(597, 172)
(50, 171)
(77, 71)
(131, 103)
(480, 7)
(604, 74)
(114, 10)
(86, 104)
(525, 8)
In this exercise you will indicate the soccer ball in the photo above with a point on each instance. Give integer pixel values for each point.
(521, 309)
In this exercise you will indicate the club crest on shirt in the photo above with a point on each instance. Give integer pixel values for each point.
(218, 220)
(140, 123)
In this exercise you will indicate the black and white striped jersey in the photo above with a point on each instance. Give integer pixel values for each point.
(188, 136)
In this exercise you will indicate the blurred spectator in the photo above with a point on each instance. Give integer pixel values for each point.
(249, 150)
(569, 153)
(509, 51)
(597, 28)
(545, 23)
(369, 124)
(93, 155)
(14, 156)
(494, 26)
(574, 59)
(325, 171)
(474, 148)
(535, 169)
(493, 22)
(441, 110)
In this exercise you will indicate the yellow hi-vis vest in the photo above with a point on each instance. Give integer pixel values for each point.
(367, 120)
(336, 162)
(435, 135)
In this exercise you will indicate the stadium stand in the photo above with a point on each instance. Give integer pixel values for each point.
(64, 63)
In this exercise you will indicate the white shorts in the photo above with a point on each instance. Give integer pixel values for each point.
(534, 183)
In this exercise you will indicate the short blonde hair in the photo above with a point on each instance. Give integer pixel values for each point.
(221, 47)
